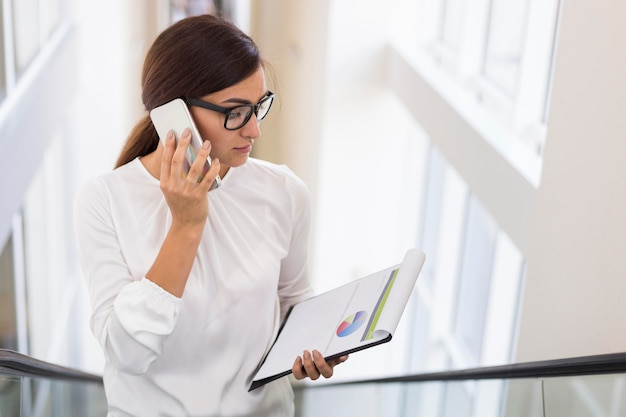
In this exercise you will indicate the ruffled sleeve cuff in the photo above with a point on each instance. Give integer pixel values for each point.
(147, 312)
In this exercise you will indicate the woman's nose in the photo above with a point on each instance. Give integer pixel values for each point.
(251, 129)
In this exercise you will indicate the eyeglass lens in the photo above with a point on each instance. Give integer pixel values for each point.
(239, 116)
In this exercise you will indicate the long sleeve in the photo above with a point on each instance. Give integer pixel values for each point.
(294, 284)
(130, 315)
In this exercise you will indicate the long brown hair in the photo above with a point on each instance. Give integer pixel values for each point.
(194, 57)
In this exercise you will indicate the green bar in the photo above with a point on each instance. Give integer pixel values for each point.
(381, 305)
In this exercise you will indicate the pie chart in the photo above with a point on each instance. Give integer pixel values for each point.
(351, 323)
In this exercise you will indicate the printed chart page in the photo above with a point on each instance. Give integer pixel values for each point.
(355, 316)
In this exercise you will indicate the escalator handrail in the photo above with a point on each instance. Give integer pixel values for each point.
(604, 364)
(17, 364)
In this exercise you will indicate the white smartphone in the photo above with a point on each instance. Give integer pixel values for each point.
(175, 116)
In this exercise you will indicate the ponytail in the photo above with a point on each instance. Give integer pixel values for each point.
(143, 139)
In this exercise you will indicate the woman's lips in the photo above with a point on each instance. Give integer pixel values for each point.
(244, 149)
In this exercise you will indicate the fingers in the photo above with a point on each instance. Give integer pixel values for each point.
(338, 360)
(166, 160)
(313, 365)
(178, 158)
(304, 366)
(213, 172)
(297, 369)
(174, 161)
(196, 169)
(323, 367)
(310, 366)
(173, 158)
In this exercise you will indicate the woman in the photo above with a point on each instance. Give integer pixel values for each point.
(188, 286)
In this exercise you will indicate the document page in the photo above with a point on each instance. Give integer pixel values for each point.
(355, 316)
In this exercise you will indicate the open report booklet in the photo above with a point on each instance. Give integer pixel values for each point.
(353, 317)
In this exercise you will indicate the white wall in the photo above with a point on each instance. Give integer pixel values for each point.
(576, 283)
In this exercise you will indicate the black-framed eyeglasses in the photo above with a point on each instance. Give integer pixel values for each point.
(238, 116)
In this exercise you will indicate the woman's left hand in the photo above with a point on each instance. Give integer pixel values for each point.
(313, 365)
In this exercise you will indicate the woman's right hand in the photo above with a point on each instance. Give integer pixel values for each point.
(189, 204)
(185, 195)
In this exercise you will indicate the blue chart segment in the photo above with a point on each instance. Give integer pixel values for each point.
(351, 323)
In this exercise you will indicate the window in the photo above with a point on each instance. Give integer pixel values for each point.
(26, 28)
(474, 280)
(48, 273)
(507, 24)
(491, 60)
(432, 211)
(237, 11)
(51, 11)
(3, 79)
(8, 319)
(451, 24)
(35, 46)
(465, 312)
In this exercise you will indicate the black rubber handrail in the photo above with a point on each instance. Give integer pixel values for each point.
(612, 363)
(17, 364)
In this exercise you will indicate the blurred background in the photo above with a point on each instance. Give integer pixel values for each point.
(489, 133)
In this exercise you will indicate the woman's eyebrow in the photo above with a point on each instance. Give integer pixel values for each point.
(236, 100)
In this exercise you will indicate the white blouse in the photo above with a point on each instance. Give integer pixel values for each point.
(194, 355)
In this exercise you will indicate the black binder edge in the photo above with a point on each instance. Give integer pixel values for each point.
(260, 382)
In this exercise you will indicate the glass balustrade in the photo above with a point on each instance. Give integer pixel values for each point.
(42, 397)
(597, 395)
(575, 396)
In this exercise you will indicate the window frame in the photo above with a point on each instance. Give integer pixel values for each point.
(515, 126)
